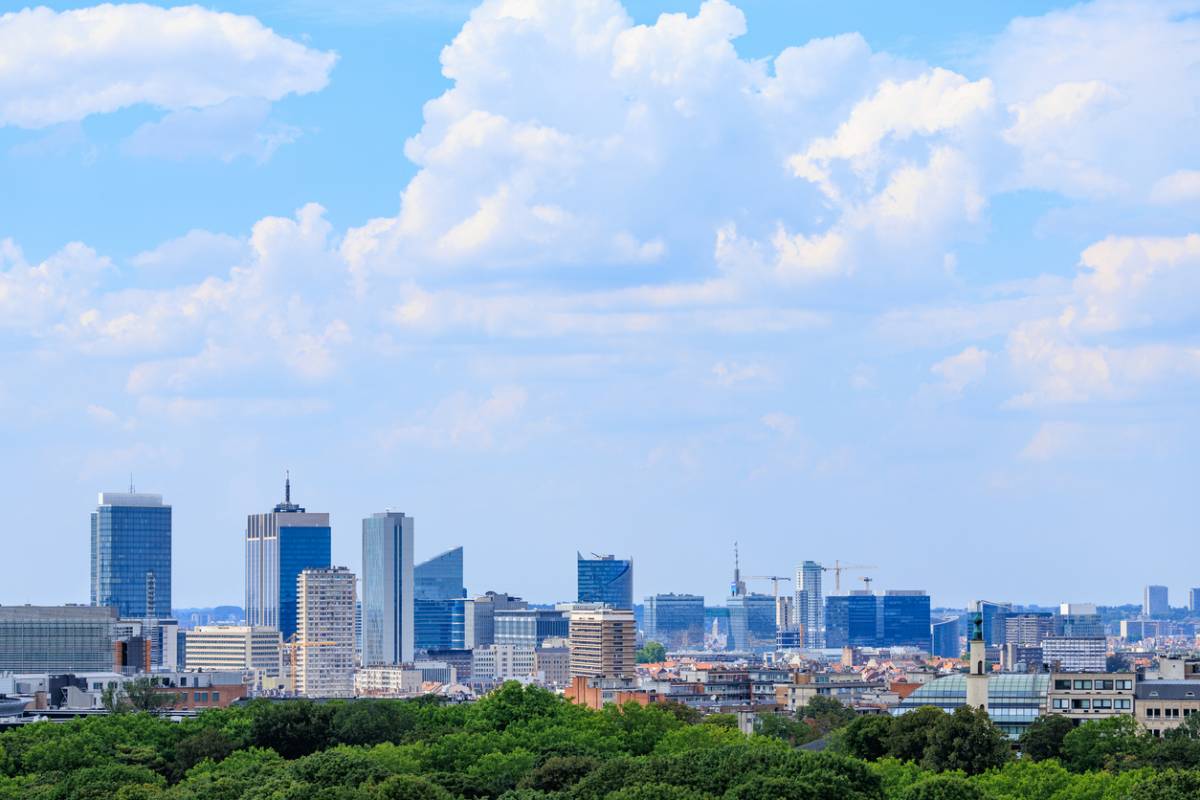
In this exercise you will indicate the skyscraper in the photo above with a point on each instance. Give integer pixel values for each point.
(279, 546)
(852, 620)
(605, 579)
(809, 605)
(946, 643)
(675, 620)
(388, 588)
(603, 643)
(993, 621)
(1194, 600)
(439, 610)
(324, 648)
(906, 619)
(1154, 602)
(131, 555)
(751, 621)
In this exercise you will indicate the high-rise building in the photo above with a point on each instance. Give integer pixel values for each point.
(1194, 600)
(603, 643)
(1028, 628)
(906, 620)
(324, 647)
(496, 663)
(530, 627)
(1080, 620)
(946, 638)
(809, 603)
(279, 546)
(233, 647)
(481, 617)
(388, 589)
(1075, 654)
(1154, 601)
(675, 620)
(993, 621)
(751, 622)
(56, 639)
(852, 620)
(439, 610)
(131, 554)
(605, 579)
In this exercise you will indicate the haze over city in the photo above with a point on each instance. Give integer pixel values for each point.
(916, 288)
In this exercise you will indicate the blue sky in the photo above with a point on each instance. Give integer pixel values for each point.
(913, 285)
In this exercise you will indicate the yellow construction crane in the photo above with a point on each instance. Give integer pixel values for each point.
(838, 568)
(296, 646)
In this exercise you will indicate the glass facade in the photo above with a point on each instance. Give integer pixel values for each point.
(131, 555)
(946, 643)
(529, 627)
(56, 639)
(851, 621)
(906, 620)
(605, 579)
(279, 546)
(439, 610)
(299, 549)
(388, 589)
(751, 622)
(675, 620)
(808, 606)
(1014, 700)
(993, 621)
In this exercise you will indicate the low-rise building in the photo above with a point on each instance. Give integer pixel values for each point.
(552, 663)
(388, 680)
(233, 647)
(1075, 654)
(496, 663)
(1164, 704)
(1083, 696)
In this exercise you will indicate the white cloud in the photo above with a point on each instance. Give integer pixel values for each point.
(1181, 186)
(463, 421)
(1052, 440)
(236, 128)
(63, 66)
(732, 373)
(783, 424)
(962, 369)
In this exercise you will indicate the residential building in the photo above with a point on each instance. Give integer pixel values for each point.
(388, 589)
(496, 663)
(439, 610)
(131, 554)
(234, 647)
(1155, 601)
(530, 627)
(1089, 696)
(605, 579)
(751, 622)
(1073, 654)
(1165, 704)
(946, 638)
(56, 639)
(603, 643)
(388, 680)
(279, 546)
(480, 617)
(323, 653)
(808, 604)
(552, 663)
(675, 620)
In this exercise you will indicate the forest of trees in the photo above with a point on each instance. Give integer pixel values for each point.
(524, 743)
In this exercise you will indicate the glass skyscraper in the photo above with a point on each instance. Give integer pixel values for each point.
(131, 555)
(751, 622)
(675, 620)
(387, 588)
(279, 546)
(946, 642)
(439, 610)
(809, 603)
(906, 619)
(852, 620)
(605, 579)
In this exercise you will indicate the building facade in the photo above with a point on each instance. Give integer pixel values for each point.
(279, 546)
(439, 611)
(808, 604)
(947, 642)
(1071, 654)
(530, 627)
(56, 639)
(496, 663)
(1155, 601)
(387, 680)
(1089, 696)
(131, 555)
(388, 627)
(603, 643)
(605, 579)
(481, 617)
(675, 620)
(852, 620)
(324, 649)
(751, 622)
(1162, 705)
(906, 619)
(233, 647)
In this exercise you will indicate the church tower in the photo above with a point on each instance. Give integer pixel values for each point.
(977, 678)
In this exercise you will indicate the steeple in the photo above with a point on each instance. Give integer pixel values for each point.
(977, 671)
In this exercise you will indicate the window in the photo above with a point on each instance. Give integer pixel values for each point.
(1104, 684)
(1153, 712)
(1062, 702)
(1080, 704)
(1124, 684)
(216, 697)
(183, 681)
(1172, 712)
(1125, 704)
(1098, 704)
(1083, 685)
(1061, 685)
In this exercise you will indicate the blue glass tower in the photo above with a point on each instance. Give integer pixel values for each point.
(387, 588)
(906, 619)
(279, 546)
(131, 555)
(852, 620)
(439, 613)
(675, 620)
(946, 642)
(605, 579)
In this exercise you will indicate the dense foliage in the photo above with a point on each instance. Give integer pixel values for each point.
(528, 744)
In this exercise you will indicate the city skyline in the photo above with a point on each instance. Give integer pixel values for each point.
(915, 286)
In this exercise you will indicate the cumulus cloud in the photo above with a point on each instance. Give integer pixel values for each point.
(231, 130)
(962, 369)
(463, 421)
(109, 57)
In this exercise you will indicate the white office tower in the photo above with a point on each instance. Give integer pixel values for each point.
(324, 649)
(388, 589)
(808, 607)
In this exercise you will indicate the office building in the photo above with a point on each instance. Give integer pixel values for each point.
(235, 648)
(1091, 696)
(57, 638)
(899, 618)
(439, 611)
(131, 555)
(530, 627)
(279, 546)
(358, 632)
(605, 579)
(603, 643)
(324, 649)
(1193, 600)
(1080, 621)
(751, 622)
(552, 663)
(946, 638)
(496, 663)
(993, 623)
(808, 604)
(1154, 601)
(1069, 654)
(480, 617)
(675, 620)
(906, 619)
(388, 680)
(388, 589)
(160, 636)
(852, 620)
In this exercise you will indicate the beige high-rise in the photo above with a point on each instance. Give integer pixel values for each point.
(324, 647)
(603, 643)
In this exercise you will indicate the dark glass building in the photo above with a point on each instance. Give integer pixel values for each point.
(388, 594)
(279, 546)
(946, 643)
(439, 610)
(675, 620)
(906, 619)
(605, 579)
(530, 627)
(852, 620)
(751, 622)
(131, 555)
(993, 621)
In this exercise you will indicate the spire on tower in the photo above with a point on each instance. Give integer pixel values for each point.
(287, 487)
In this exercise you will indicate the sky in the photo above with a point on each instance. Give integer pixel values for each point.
(909, 285)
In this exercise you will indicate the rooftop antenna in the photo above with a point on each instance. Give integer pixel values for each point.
(131, 489)
(287, 487)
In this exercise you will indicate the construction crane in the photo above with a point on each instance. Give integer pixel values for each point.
(774, 578)
(866, 579)
(838, 568)
(296, 646)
